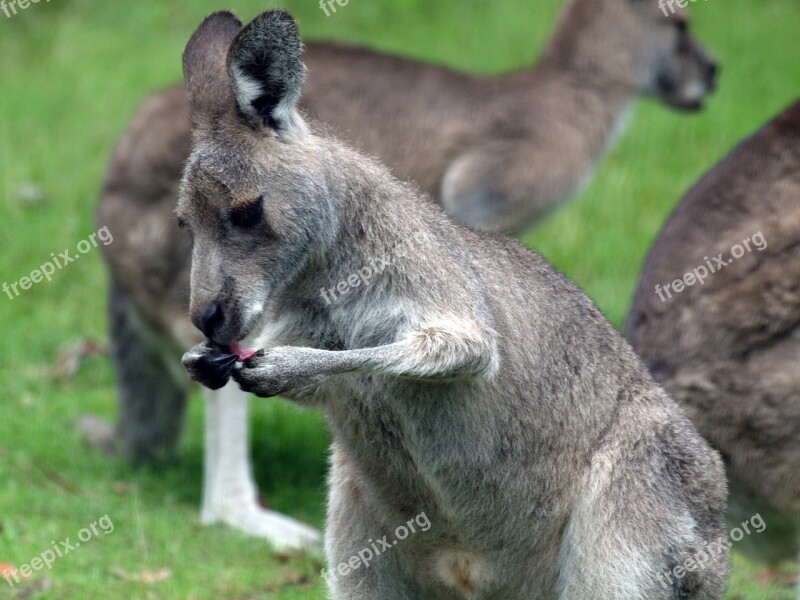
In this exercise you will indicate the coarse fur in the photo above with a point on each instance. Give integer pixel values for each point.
(468, 380)
(505, 148)
(500, 152)
(729, 349)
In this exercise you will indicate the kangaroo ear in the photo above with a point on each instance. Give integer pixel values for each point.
(266, 71)
(204, 61)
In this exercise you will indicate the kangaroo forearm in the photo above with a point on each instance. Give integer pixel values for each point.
(426, 354)
(432, 354)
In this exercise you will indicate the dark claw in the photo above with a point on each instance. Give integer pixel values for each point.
(216, 370)
(252, 361)
(213, 370)
(219, 361)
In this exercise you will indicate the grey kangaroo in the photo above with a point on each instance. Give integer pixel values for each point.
(728, 345)
(468, 380)
(509, 147)
(499, 152)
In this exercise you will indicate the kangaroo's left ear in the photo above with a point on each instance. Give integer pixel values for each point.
(266, 71)
(204, 67)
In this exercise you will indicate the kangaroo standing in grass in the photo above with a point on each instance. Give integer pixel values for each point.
(469, 381)
(508, 147)
(728, 345)
(500, 152)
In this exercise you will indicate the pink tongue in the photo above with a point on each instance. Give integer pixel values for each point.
(241, 352)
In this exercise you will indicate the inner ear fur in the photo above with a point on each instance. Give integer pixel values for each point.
(266, 70)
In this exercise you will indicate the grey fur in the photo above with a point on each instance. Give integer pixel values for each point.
(256, 43)
(144, 372)
(471, 381)
(510, 147)
(149, 262)
(729, 349)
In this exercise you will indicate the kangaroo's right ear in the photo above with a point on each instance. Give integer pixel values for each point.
(266, 71)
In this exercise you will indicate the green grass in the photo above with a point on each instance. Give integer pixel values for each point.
(72, 75)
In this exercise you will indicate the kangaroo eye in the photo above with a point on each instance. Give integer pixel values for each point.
(248, 215)
(682, 25)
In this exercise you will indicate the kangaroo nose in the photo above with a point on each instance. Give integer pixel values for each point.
(211, 320)
(712, 70)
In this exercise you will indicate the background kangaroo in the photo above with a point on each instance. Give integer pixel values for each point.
(504, 149)
(497, 151)
(470, 381)
(729, 349)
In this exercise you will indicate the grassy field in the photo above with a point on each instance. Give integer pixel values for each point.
(72, 74)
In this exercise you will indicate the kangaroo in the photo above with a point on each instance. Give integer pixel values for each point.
(728, 345)
(468, 381)
(560, 113)
(499, 152)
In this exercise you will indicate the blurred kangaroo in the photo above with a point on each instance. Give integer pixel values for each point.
(728, 345)
(469, 381)
(498, 150)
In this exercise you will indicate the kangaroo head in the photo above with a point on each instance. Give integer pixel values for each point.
(671, 64)
(644, 44)
(253, 194)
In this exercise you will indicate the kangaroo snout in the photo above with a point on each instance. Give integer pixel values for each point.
(220, 319)
(707, 69)
(707, 66)
(209, 319)
(712, 72)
